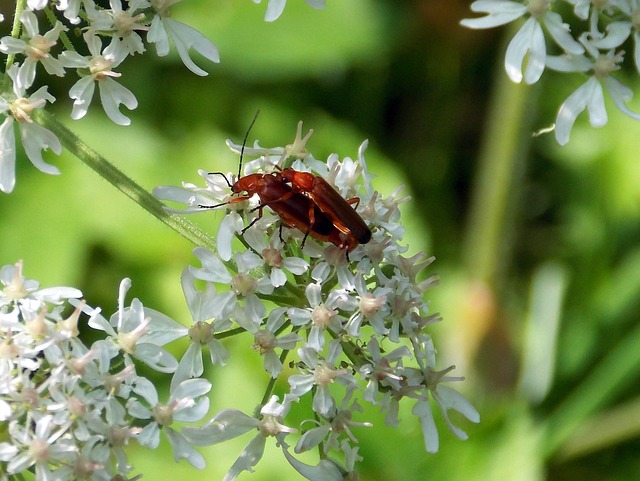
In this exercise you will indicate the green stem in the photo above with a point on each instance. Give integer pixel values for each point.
(124, 184)
(501, 153)
(15, 30)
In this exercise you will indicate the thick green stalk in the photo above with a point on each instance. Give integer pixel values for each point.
(500, 157)
(124, 184)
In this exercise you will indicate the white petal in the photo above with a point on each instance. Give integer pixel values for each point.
(560, 33)
(156, 357)
(192, 388)
(248, 458)
(529, 39)
(26, 74)
(230, 225)
(183, 450)
(620, 94)
(12, 45)
(313, 292)
(71, 59)
(158, 35)
(30, 22)
(617, 33)
(422, 409)
(213, 269)
(312, 438)
(498, 13)
(317, 4)
(568, 63)
(274, 10)
(56, 294)
(325, 470)
(278, 277)
(162, 329)
(7, 156)
(184, 38)
(323, 403)
(571, 108)
(296, 265)
(53, 66)
(35, 139)
(190, 365)
(595, 106)
(272, 364)
(452, 399)
(112, 95)
(81, 93)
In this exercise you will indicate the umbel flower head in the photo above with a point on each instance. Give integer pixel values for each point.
(594, 48)
(350, 318)
(112, 33)
(69, 409)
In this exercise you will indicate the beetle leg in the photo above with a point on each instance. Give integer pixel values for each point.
(354, 200)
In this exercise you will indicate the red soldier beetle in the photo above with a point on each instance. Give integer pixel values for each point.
(338, 209)
(295, 209)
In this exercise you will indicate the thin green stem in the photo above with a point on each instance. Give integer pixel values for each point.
(15, 30)
(272, 381)
(118, 179)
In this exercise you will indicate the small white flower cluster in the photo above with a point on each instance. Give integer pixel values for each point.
(597, 51)
(350, 326)
(68, 410)
(110, 35)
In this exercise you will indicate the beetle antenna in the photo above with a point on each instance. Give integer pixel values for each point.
(244, 142)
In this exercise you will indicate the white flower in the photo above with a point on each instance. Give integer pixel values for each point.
(119, 23)
(325, 470)
(69, 8)
(383, 370)
(529, 40)
(338, 424)
(242, 299)
(318, 293)
(183, 36)
(320, 315)
(35, 48)
(203, 305)
(99, 69)
(26, 294)
(187, 404)
(430, 382)
(268, 338)
(139, 332)
(43, 445)
(275, 263)
(320, 372)
(583, 7)
(231, 423)
(35, 138)
(590, 95)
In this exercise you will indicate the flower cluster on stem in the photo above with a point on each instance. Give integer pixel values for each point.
(351, 322)
(111, 34)
(597, 50)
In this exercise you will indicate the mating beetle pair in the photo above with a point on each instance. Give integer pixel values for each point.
(306, 202)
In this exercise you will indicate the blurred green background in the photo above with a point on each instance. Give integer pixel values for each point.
(537, 246)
